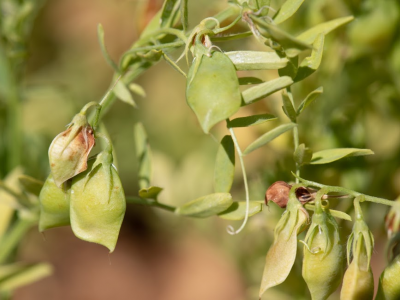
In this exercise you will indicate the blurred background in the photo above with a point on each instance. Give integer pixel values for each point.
(160, 256)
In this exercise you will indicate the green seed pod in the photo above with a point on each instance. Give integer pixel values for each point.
(358, 282)
(98, 203)
(281, 256)
(323, 254)
(69, 150)
(389, 283)
(54, 205)
(392, 219)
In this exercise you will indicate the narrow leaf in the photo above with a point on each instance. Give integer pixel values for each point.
(256, 60)
(336, 213)
(269, 136)
(224, 170)
(143, 155)
(184, 14)
(311, 63)
(249, 80)
(167, 12)
(30, 184)
(150, 193)
(137, 89)
(302, 155)
(100, 36)
(311, 34)
(206, 206)
(21, 274)
(237, 211)
(330, 155)
(121, 91)
(251, 120)
(287, 10)
(309, 99)
(265, 89)
(288, 108)
(264, 5)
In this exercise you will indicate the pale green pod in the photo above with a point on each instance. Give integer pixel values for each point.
(389, 282)
(54, 205)
(98, 203)
(357, 283)
(69, 150)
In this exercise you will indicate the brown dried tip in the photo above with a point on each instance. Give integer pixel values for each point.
(304, 195)
(278, 192)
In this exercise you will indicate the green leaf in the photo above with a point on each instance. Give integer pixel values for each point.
(288, 108)
(206, 206)
(121, 91)
(184, 14)
(287, 10)
(212, 90)
(311, 63)
(269, 136)
(265, 89)
(17, 275)
(311, 34)
(30, 184)
(330, 155)
(256, 60)
(336, 213)
(237, 211)
(302, 155)
(143, 155)
(265, 4)
(251, 120)
(150, 193)
(309, 99)
(100, 36)
(224, 170)
(167, 13)
(249, 80)
(291, 68)
(137, 89)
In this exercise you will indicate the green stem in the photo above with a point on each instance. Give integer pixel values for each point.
(11, 239)
(149, 202)
(240, 154)
(295, 132)
(338, 189)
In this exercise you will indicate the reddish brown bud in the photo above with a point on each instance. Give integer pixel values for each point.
(278, 192)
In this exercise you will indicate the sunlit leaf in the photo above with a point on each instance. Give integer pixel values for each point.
(151, 192)
(269, 136)
(330, 155)
(309, 99)
(100, 36)
(288, 108)
(302, 155)
(311, 34)
(121, 91)
(224, 169)
(265, 89)
(237, 211)
(256, 60)
(311, 63)
(251, 120)
(206, 206)
(287, 10)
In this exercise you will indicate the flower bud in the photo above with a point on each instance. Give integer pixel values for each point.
(389, 283)
(392, 219)
(358, 282)
(281, 256)
(69, 150)
(98, 202)
(323, 254)
(54, 205)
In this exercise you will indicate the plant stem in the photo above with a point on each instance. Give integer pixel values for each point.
(11, 239)
(240, 154)
(149, 202)
(295, 132)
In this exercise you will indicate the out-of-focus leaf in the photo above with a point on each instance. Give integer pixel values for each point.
(311, 34)
(330, 155)
(151, 192)
(287, 10)
(309, 99)
(264, 5)
(251, 120)
(30, 184)
(153, 25)
(269, 136)
(288, 108)
(121, 91)
(17, 275)
(143, 155)
(184, 14)
(265, 89)
(256, 60)
(237, 211)
(302, 155)
(249, 80)
(100, 36)
(336, 213)
(137, 89)
(311, 63)
(206, 206)
(167, 12)
(224, 169)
